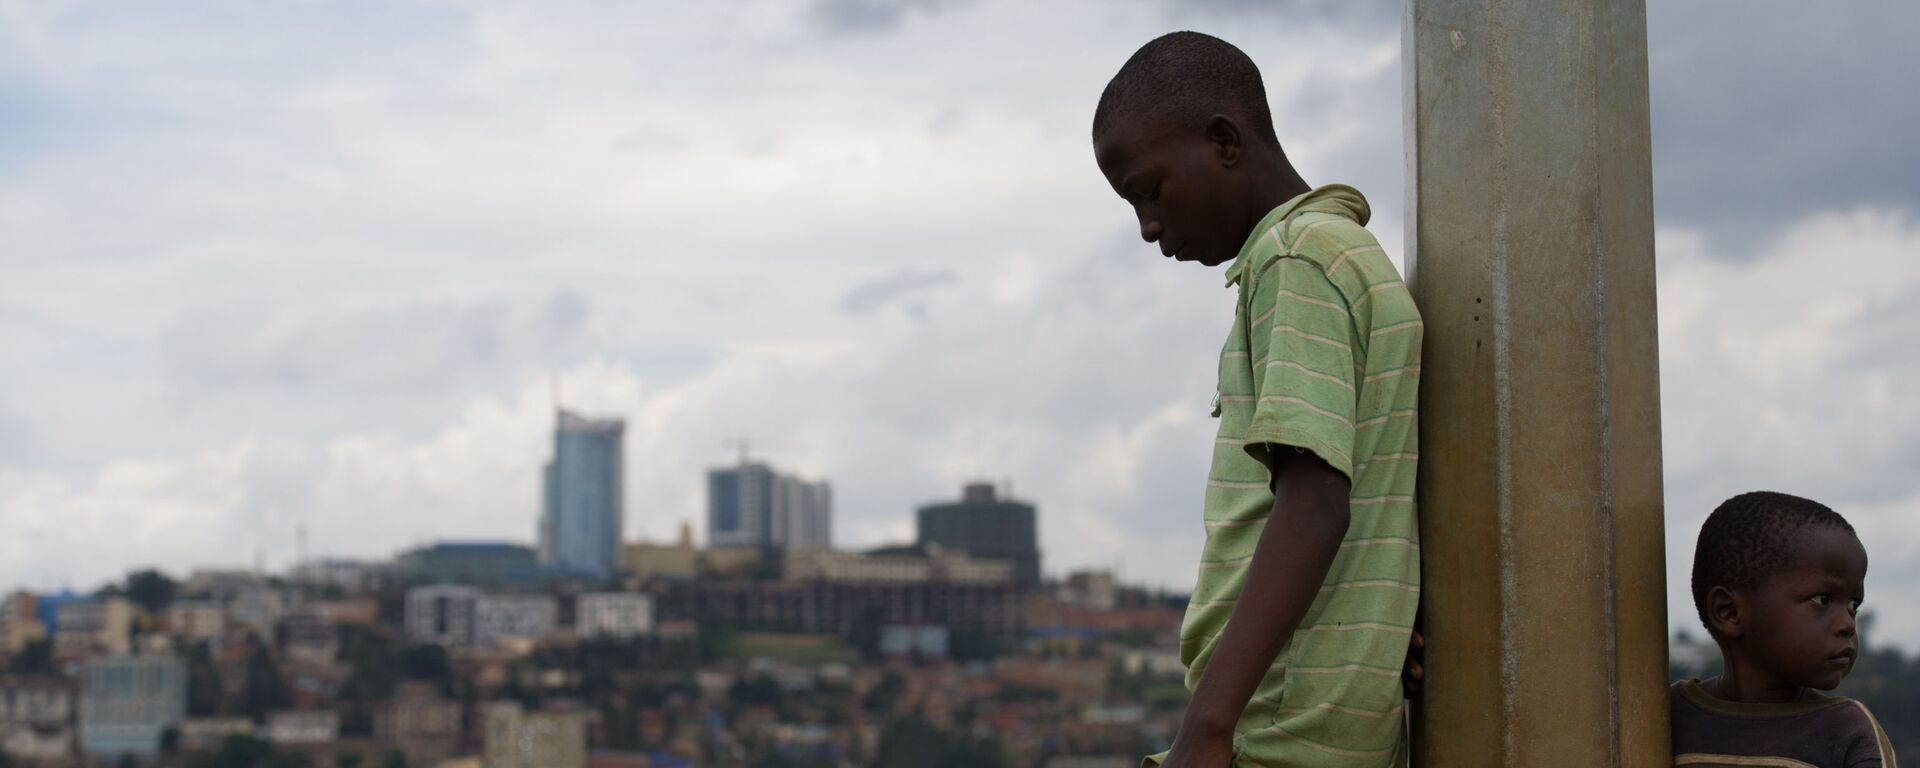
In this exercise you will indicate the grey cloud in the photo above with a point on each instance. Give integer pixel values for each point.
(16, 438)
(418, 347)
(870, 16)
(1764, 111)
(1744, 142)
(947, 121)
(563, 315)
(1376, 14)
(870, 296)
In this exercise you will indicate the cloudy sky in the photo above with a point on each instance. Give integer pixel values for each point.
(321, 264)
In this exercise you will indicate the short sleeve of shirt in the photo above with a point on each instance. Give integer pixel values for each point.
(1301, 345)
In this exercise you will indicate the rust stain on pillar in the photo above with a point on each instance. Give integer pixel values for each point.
(1530, 250)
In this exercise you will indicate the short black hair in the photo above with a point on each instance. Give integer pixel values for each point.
(1186, 77)
(1750, 537)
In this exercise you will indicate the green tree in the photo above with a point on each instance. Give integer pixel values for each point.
(34, 659)
(203, 682)
(263, 691)
(151, 589)
(393, 759)
(426, 661)
(881, 698)
(912, 742)
(238, 751)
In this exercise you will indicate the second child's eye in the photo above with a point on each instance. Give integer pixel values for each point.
(1822, 600)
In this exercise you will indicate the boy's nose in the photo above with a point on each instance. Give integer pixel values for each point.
(1848, 625)
(1150, 230)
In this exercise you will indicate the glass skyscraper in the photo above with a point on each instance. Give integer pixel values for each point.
(581, 520)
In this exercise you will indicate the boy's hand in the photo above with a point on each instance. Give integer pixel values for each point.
(1198, 752)
(1413, 673)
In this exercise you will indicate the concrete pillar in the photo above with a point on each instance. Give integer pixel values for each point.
(1530, 250)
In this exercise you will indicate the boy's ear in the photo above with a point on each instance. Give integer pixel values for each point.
(1726, 613)
(1225, 137)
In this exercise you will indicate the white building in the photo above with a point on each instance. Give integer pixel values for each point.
(441, 614)
(500, 618)
(613, 614)
(36, 716)
(297, 727)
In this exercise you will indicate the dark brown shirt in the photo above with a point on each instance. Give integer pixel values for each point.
(1820, 732)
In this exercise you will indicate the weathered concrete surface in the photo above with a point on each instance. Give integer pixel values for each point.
(1530, 250)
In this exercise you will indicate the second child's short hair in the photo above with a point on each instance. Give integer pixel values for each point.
(1752, 536)
(1186, 77)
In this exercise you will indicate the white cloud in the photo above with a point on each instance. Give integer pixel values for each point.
(1787, 371)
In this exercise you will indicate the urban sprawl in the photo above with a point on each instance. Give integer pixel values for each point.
(766, 647)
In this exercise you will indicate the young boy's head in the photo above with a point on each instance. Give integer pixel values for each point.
(1777, 579)
(1183, 133)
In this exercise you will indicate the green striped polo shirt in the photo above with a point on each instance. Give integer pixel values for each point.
(1324, 356)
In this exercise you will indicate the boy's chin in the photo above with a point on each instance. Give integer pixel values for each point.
(1827, 681)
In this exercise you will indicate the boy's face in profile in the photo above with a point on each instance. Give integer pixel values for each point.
(1180, 187)
(1799, 624)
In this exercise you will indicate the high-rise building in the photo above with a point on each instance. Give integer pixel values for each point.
(985, 526)
(751, 505)
(802, 514)
(581, 519)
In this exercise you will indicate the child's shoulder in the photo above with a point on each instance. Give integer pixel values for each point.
(1829, 729)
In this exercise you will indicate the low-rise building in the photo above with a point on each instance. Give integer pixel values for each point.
(362, 611)
(94, 626)
(613, 614)
(341, 574)
(256, 609)
(205, 734)
(1088, 589)
(516, 738)
(303, 727)
(932, 564)
(420, 723)
(441, 614)
(38, 743)
(20, 622)
(499, 619)
(35, 699)
(488, 564)
(306, 637)
(197, 619)
(127, 702)
(36, 718)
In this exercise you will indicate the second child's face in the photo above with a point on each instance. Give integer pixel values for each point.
(1802, 631)
(1179, 187)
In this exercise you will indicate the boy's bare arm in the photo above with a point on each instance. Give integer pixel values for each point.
(1289, 563)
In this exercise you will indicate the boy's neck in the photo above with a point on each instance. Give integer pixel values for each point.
(1740, 681)
(1275, 188)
